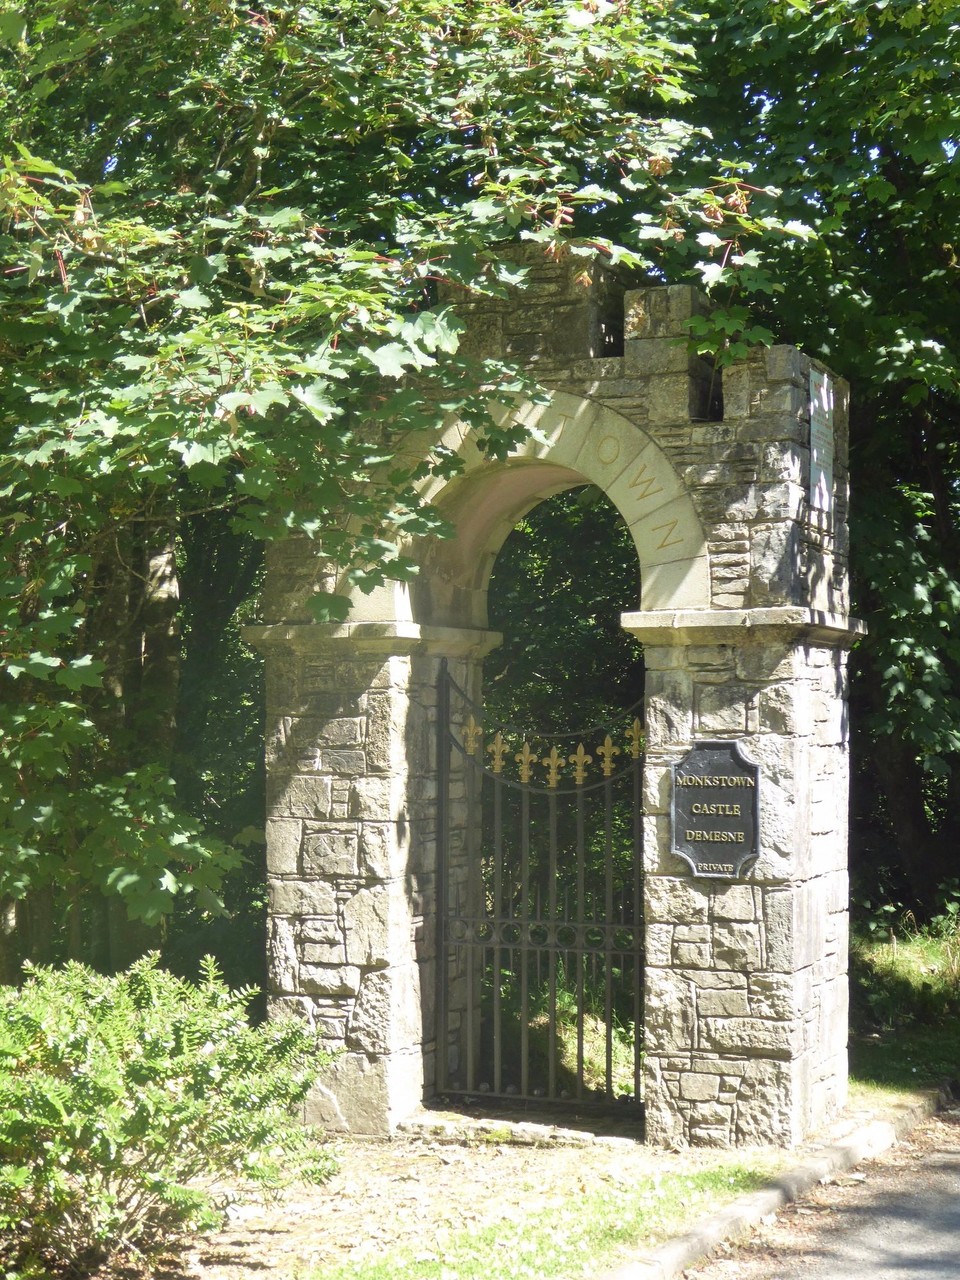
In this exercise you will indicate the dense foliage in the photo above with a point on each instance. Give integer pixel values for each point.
(851, 108)
(222, 228)
(559, 585)
(123, 1100)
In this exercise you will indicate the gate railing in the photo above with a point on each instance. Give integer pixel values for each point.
(540, 890)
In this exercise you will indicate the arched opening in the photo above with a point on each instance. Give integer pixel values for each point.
(541, 990)
(560, 582)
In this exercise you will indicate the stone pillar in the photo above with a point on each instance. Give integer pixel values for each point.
(351, 852)
(746, 1006)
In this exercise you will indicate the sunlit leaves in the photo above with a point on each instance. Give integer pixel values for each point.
(223, 235)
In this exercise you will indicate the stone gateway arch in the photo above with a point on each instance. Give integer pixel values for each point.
(738, 512)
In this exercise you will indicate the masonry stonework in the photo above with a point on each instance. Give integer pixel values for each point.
(744, 620)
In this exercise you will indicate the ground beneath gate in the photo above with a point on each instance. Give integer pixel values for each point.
(416, 1191)
(411, 1193)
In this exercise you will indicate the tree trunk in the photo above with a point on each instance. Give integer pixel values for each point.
(925, 858)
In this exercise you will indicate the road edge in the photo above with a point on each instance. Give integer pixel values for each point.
(739, 1218)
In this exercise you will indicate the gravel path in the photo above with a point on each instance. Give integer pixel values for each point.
(896, 1217)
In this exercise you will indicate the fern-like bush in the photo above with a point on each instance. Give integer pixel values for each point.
(125, 1100)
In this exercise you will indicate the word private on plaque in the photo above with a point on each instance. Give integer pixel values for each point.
(715, 813)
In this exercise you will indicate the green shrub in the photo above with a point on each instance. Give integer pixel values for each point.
(123, 1100)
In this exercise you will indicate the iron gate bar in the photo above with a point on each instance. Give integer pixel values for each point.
(497, 885)
(442, 906)
(525, 954)
(552, 954)
(638, 954)
(581, 911)
(608, 915)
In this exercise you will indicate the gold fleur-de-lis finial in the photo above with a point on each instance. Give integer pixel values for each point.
(471, 736)
(526, 759)
(498, 749)
(580, 760)
(636, 739)
(553, 764)
(606, 754)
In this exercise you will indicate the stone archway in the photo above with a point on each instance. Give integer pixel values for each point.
(743, 621)
(577, 440)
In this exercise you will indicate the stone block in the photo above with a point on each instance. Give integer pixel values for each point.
(299, 796)
(653, 357)
(724, 708)
(329, 980)
(658, 942)
(769, 1104)
(709, 1136)
(282, 965)
(723, 1004)
(778, 709)
(774, 995)
(787, 364)
(676, 901)
(751, 1036)
(661, 312)
(351, 1098)
(301, 898)
(745, 389)
(775, 561)
(735, 902)
(349, 764)
(692, 955)
(375, 798)
(300, 1007)
(377, 924)
(669, 1016)
(388, 719)
(763, 663)
(737, 946)
(283, 846)
(721, 980)
(330, 851)
(386, 1017)
(323, 947)
(336, 732)
(707, 1113)
(718, 658)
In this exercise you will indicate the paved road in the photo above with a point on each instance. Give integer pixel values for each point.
(893, 1218)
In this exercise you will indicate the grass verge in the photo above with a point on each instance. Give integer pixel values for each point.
(905, 1036)
(576, 1238)
(905, 1010)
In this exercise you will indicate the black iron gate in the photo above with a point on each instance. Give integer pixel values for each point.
(540, 894)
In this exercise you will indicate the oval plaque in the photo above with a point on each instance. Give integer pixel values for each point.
(715, 815)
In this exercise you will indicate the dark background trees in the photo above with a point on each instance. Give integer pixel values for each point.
(851, 110)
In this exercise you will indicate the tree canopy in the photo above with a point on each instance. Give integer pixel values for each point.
(852, 110)
(222, 229)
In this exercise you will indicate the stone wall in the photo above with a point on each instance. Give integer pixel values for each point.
(744, 621)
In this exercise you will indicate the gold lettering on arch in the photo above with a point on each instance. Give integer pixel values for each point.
(646, 484)
(667, 540)
(605, 453)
